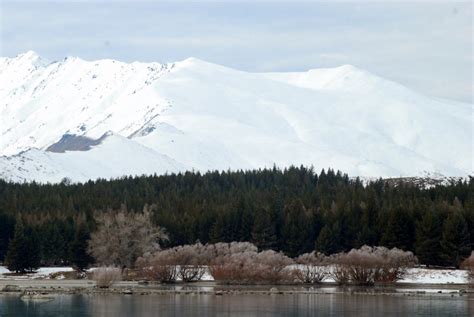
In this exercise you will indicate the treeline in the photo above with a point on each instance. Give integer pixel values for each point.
(294, 210)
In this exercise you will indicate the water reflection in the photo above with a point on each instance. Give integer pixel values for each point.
(238, 305)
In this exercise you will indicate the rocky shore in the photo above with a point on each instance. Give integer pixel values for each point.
(88, 287)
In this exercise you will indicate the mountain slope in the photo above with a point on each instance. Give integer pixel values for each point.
(197, 115)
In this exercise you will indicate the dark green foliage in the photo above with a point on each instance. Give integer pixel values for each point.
(327, 241)
(23, 253)
(7, 227)
(56, 236)
(297, 232)
(455, 243)
(78, 248)
(263, 231)
(400, 230)
(291, 210)
(428, 233)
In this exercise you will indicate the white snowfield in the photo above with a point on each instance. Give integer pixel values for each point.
(194, 115)
(43, 272)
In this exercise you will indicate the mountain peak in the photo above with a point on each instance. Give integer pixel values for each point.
(33, 58)
(28, 55)
(194, 61)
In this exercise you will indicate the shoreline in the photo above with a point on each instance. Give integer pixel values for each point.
(88, 287)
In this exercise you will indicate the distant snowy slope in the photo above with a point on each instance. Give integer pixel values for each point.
(197, 115)
(116, 156)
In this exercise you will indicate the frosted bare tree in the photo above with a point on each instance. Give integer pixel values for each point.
(122, 236)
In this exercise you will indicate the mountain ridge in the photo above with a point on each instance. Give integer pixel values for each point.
(207, 116)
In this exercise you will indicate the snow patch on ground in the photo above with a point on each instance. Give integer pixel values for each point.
(42, 273)
(414, 275)
(435, 276)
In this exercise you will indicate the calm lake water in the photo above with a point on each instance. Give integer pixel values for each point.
(238, 305)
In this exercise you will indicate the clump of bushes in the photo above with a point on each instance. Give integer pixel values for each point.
(368, 265)
(106, 276)
(187, 263)
(235, 262)
(242, 263)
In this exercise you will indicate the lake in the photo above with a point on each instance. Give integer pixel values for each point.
(239, 305)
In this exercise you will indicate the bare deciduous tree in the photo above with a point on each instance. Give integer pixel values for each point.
(122, 236)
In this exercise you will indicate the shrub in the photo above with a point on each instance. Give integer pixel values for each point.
(312, 268)
(159, 267)
(106, 276)
(393, 264)
(187, 262)
(250, 266)
(340, 274)
(272, 267)
(191, 261)
(368, 265)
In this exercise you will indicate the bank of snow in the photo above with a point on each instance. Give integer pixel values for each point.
(41, 273)
(414, 275)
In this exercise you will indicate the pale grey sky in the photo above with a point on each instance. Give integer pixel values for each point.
(426, 45)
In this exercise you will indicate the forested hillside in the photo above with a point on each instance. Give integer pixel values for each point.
(295, 210)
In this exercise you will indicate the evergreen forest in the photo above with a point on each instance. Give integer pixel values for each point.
(293, 210)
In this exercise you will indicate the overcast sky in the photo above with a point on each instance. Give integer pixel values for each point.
(426, 45)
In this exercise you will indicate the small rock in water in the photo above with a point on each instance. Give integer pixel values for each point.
(11, 288)
(127, 292)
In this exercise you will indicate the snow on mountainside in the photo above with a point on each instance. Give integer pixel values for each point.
(89, 119)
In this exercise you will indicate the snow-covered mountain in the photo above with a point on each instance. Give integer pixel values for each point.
(88, 119)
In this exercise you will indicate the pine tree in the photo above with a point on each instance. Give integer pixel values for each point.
(218, 231)
(52, 243)
(400, 230)
(7, 228)
(16, 249)
(246, 223)
(80, 258)
(455, 241)
(326, 242)
(428, 232)
(263, 231)
(23, 252)
(33, 249)
(296, 231)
